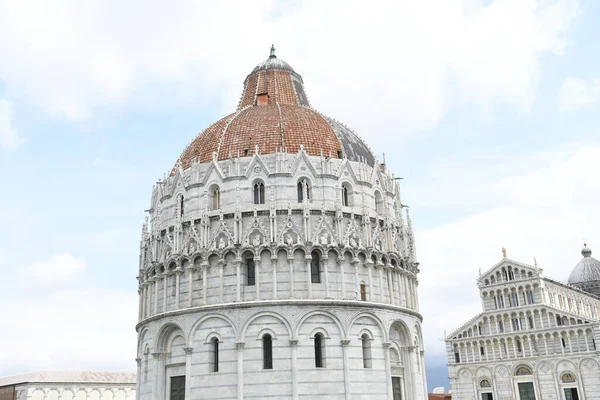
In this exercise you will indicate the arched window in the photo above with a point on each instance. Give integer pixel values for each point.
(319, 351)
(315, 268)
(303, 188)
(366, 349)
(216, 198)
(259, 193)
(378, 202)
(363, 292)
(345, 196)
(181, 205)
(267, 352)
(214, 344)
(251, 272)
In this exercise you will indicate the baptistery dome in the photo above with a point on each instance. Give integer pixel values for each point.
(274, 114)
(277, 261)
(586, 274)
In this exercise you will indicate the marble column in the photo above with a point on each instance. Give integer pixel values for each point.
(342, 277)
(356, 278)
(294, 351)
(188, 372)
(257, 277)
(308, 262)
(238, 293)
(388, 368)
(325, 263)
(190, 272)
(389, 283)
(138, 380)
(156, 279)
(221, 266)
(291, 265)
(380, 272)
(204, 282)
(166, 275)
(370, 280)
(240, 370)
(347, 388)
(178, 272)
(274, 266)
(141, 302)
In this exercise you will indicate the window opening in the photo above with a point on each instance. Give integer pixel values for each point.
(251, 270)
(215, 354)
(345, 198)
(363, 292)
(267, 352)
(259, 193)
(366, 349)
(177, 391)
(216, 199)
(315, 268)
(319, 350)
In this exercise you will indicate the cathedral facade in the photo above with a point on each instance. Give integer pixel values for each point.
(535, 338)
(278, 262)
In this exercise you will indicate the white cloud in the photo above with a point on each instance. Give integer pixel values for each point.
(389, 68)
(9, 138)
(58, 270)
(69, 329)
(543, 211)
(579, 93)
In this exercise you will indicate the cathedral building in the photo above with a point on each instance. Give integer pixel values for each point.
(278, 262)
(535, 339)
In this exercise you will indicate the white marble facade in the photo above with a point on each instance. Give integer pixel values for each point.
(535, 339)
(69, 385)
(319, 252)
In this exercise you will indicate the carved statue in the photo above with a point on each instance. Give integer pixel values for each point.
(192, 248)
(221, 243)
(353, 242)
(256, 240)
(289, 239)
(324, 239)
(503, 252)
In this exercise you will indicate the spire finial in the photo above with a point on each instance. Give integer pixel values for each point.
(272, 55)
(503, 252)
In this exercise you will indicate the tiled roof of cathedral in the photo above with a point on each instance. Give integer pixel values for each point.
(69, 377)
(274, 114)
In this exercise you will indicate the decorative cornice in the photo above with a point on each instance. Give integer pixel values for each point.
(283, 302)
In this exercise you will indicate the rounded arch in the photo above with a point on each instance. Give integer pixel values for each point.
(141, 339)
(214, 196)
(333, 317)
(304, 186)
(258, 190)
(378, 201)
(400, 331)
(375, 318)
(165, 335)
(198, 323)
(266, 313)
(523, 369)
(347, 194)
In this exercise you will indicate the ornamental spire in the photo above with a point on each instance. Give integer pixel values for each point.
(272, 55)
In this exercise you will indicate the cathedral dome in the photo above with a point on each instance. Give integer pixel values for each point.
(587, 269)
(274, 114)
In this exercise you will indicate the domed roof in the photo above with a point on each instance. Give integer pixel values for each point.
(586, 270)
(274, 114)
(273, 63)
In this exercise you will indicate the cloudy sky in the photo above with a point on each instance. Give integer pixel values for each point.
(488, 109)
